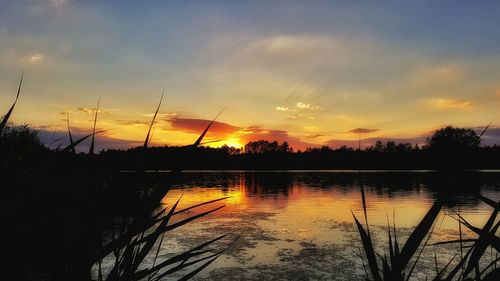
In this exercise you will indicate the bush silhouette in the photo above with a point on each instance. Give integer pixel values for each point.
(453, 139)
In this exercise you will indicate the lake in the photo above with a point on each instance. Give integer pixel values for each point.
(298, 225)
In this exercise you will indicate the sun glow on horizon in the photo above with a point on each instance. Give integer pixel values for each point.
(230, 142)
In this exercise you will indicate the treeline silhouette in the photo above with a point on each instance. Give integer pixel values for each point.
(447, 149)
(387, 155)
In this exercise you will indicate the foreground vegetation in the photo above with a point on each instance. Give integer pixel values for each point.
(398, 263)
(66, 216)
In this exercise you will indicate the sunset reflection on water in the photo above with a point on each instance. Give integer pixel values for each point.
(282, 214)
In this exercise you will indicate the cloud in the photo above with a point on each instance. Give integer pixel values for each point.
(315, 136)
(446, 103)
(166, 115)
(90, 111)
(197, 126)
(302, 105)
(438, 74)
(281, 108)
(287, 44)
(255, 133)
(362, 131)
(37, 58)
(133, 122)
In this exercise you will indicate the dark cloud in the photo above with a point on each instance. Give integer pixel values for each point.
(314, 136)
(197, 126)
(255, 133)
(362, 130)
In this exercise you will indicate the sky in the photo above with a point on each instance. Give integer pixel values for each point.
(308, 72)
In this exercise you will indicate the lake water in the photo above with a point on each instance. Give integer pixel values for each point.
(299, 225)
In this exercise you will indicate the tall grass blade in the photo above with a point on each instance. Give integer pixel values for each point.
(71, 142)
(188, 276)
(419, 255)
(484, 130)
(177, 224)
(461, 240)
(441, 272)
(457, 267)
(146, 141)
(418, 234)
(485, 239)
(363, 200)
(80, 140)
(396, 246)
(493, 275)
(489, 202)
(369, 251)
(212, 141)
(201, 204)
(198, 141)
(3, 123)
(91, 149)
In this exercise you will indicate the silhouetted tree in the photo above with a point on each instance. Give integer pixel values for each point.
(453, 139)
(263, 146)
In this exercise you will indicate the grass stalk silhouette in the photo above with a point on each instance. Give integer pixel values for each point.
(397, 266)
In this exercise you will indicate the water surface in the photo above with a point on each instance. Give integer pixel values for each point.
(299, 225)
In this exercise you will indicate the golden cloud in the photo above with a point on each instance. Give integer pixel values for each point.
(281, 108)
(303, 105)
(450, 103)
(36, 58)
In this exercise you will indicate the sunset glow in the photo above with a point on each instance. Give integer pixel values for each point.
(281, 74)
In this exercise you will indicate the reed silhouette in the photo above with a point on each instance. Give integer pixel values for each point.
(401, 261)
(68, 216)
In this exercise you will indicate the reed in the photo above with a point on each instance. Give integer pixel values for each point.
(91, 149)
(397, 266)
(92, 238)
(148, 139)
(6, 117)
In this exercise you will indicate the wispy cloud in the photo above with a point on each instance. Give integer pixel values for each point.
(133, 122)
(447, 103)
(281, 108)
(92, 110)
(37, 58)
(438, 75)
(303, 105)
(315, 136)
(287, 44)
(362, 131)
